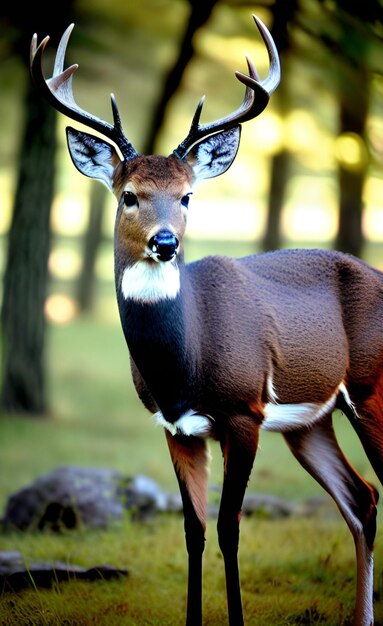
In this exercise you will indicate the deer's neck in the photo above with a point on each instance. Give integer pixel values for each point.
(160, 324)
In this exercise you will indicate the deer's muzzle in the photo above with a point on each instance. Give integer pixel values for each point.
(164, 245)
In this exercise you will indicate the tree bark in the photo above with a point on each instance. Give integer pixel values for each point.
(22, 315)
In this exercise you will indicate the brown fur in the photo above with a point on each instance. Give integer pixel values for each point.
(156, 173)
(159, 183)
(191, 462)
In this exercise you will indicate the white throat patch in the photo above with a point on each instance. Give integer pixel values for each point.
(149, 283)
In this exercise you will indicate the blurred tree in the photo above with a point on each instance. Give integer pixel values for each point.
(283, 14)
(353, 110)
(349, 31)
(25, 281)
(86, 284)
(354, 96)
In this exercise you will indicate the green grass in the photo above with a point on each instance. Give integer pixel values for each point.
(294, 571)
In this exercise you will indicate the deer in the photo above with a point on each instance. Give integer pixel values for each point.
(222, 348)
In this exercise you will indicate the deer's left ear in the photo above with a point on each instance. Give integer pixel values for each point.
(214, 155)
(92, 156)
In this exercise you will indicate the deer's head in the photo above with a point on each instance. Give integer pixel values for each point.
(152, 191)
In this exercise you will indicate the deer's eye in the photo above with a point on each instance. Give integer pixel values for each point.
(130, 199)
(185, 200)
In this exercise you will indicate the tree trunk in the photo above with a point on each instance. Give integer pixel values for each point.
(22, 315)
(279, 176)
(283, 13)
(92, 239)
(352, 120)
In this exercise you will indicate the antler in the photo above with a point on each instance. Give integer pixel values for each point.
(58, 91)
(256, 97)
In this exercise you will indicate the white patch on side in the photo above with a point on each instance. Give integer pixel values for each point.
(284, 417)
(191, 424)
(271, 393)
(347, 399)
(149, 283)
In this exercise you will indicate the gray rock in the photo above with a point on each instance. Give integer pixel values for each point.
(70, 497)
(144, 495)
(15, 576)
(322, 506)
(266, 505)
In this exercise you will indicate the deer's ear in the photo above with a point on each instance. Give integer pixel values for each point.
(92, 156)
(214, 155)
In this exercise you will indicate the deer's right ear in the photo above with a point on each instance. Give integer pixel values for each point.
(214, 154)
(92, 156)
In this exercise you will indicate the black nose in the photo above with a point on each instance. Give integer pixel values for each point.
(164, 244)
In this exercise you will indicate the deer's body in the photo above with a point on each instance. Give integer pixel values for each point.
(192, 339)
(224, 347)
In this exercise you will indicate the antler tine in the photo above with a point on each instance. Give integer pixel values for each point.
(256, 97)
(58, 91)
(273, 78)
(61, 51)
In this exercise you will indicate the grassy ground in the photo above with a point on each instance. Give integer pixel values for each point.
(294, 571)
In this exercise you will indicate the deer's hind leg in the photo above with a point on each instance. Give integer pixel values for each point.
(318, 452)
(366, 417)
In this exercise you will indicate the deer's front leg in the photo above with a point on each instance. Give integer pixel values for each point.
(190, 459)
(239, 448)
